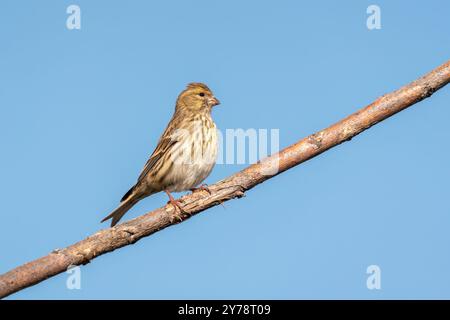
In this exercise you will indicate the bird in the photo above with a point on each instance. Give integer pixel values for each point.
(185, 154)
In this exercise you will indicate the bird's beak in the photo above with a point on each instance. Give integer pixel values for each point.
(213, 101)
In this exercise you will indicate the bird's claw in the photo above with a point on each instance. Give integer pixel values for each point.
(203, 187)
(178, 211)
(177, 216)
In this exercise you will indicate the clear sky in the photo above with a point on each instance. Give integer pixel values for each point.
(81, 110)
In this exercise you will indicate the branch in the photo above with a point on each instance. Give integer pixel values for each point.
(234, 186)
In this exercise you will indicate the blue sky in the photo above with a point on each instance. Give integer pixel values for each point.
(81, 110)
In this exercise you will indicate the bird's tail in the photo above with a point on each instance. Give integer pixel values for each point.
(118, 213)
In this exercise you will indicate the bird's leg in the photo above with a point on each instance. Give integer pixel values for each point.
(176, 205)
(204, 187)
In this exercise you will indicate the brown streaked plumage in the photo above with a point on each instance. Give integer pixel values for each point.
(185, 154)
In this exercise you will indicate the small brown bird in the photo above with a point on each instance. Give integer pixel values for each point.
(185, 154)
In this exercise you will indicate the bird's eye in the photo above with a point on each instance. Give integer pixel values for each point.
(201, 94)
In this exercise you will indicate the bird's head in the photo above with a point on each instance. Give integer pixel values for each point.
(197, 97)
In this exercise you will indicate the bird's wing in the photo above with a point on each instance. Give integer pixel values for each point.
(167, 140)
(163, 146)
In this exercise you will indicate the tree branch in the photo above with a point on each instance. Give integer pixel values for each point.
(234, 186)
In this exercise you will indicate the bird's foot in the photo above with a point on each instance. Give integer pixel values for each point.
(178, 210)
(203, 187)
